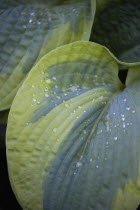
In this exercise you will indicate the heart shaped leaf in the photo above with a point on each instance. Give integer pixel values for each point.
(30, 29)
(76, 139)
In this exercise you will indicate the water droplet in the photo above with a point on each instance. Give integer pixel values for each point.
(30, 21)
(34, 99)
(73, 88)
(123, 125)
(123, 118)
(38, 22)
(78, 164)
(65, 94)
(97, 166)
(127, 108)
(55, 130)
(54, 78)
(124, 99)
(114, 113)
(107, 142)
(79, 107)
(115, 138)
(90, 160)
(48, 81)
(133, 111)
(46, 95)
(32, 13)
(38, 102)
(33, 86)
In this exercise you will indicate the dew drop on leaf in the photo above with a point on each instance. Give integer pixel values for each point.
(30, 21)
(48, 81)
(78, 164)
(55, 130)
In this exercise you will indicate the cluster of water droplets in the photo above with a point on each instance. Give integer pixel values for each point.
(37, 17)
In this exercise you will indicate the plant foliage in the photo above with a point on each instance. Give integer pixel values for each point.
(73, 139)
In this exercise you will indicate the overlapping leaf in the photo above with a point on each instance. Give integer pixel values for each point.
(76, 139)
(117, 27)
(30, 29)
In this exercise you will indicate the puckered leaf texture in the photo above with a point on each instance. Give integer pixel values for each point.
(75, 143)
(117, 26)
(30, 29)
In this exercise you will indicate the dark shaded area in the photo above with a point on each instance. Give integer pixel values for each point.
(122, 75)
(2, 135)
(116, 27)
(138, 208)
(7, 198)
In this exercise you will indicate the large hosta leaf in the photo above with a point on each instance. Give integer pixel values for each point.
(117, 26)
(30, 29)
(76, 139)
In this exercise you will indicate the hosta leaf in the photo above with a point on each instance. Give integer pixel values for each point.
(30, 29)
(117, 27)
(76, 139)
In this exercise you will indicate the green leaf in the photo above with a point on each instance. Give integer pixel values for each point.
(76, 139)
(116, 26)
(29, 30)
